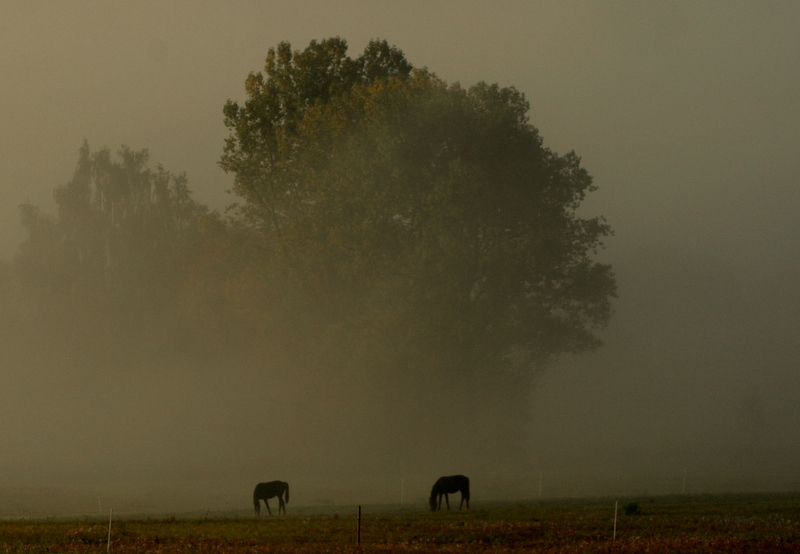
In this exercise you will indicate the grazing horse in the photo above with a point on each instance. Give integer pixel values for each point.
(271, 490)
(448, 485)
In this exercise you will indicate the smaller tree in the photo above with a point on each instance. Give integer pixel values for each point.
(121, 231)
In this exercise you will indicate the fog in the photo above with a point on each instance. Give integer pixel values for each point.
(686, 115)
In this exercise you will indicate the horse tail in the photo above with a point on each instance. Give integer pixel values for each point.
(287, 492)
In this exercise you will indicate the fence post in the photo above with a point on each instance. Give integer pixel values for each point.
(108, 546)
(614, 538)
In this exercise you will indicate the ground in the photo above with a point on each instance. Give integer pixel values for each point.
(719, 523)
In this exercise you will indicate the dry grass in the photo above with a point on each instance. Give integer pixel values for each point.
(742, 523)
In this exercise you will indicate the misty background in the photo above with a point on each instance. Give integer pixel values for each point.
(686, 115)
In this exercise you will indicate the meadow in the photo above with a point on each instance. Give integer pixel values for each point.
(718, 523)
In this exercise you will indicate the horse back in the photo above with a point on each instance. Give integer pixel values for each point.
(453, 483)
(270, 489)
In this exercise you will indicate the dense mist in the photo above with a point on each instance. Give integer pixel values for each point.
(690, 393)
(696, 376)
(145, 377)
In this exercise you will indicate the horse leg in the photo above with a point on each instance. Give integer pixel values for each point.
(267, 503)
(447, 501)
(281, 505)
(257, 506)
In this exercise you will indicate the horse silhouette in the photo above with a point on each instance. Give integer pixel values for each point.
(263, 491)
(449, 485)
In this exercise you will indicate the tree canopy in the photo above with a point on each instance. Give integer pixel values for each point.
(120, 246)
(429, 216)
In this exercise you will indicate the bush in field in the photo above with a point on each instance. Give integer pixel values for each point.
(632, 509)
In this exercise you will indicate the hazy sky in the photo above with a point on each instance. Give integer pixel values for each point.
(687, 114)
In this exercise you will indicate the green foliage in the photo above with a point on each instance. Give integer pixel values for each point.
(265, 139)
(427, 225)
(120, 226)
(116, 275)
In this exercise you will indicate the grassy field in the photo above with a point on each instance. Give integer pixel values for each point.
(733, 523)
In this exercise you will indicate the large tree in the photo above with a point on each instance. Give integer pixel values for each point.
(427, 226)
